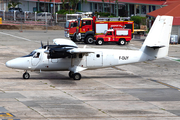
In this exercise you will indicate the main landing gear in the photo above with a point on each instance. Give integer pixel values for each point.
(26, 75)
(75, 76)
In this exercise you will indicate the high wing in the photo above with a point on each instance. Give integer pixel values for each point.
(60, 41)
(79, 50)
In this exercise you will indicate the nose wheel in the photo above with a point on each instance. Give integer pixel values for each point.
(75, 76)
(26, 75)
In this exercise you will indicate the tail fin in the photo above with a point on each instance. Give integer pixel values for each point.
(156, 44)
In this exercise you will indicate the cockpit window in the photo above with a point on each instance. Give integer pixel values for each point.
(36, 55)
(31, 54)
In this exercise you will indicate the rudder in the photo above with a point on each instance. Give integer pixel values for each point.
(156, 43)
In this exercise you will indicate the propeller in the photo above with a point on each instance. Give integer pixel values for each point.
(42, 44)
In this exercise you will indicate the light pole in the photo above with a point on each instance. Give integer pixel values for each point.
(54, 6)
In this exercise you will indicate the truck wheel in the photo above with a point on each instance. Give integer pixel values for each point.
(74, 38)
(122, 42)
(99, 42)
(89, 39)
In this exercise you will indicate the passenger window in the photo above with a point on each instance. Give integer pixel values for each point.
(71, 25)
(109, 33)
(75, 24)
(80, 55)
(88, 22)
(97, 55)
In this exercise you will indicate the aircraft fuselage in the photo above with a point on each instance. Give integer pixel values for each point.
(99, 58)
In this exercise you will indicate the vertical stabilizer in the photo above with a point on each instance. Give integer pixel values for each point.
(156, 44)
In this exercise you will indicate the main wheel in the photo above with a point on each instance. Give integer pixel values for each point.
(26, 75)
(71, 74)
(122, 42)
(99, 42)
(89, 39)
(76, 76)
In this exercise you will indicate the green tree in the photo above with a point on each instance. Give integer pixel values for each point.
(13, 4)
(73, 3)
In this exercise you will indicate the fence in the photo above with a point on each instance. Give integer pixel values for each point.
(32, 18)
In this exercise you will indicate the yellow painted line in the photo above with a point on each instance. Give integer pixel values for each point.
(6, 115)
(118, 68)
(165, 84)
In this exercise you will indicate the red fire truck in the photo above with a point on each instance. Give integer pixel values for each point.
(120, 36)
(70, 29)
(71, 24)
(88, 27)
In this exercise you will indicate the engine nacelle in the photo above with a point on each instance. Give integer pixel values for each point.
(58, 53)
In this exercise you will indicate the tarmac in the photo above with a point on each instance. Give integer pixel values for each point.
(141, 91)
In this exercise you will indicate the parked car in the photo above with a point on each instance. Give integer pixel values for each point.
(42, 16)
(15, 9)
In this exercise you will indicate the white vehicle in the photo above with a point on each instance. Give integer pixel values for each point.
(66, 56)
(42, 16)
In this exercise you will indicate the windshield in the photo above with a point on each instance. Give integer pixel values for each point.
(39, 14)
(31, 54)
(105, 32)
(67, 24)
(79, 20)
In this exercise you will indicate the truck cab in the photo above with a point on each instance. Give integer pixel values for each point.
(85, 30)
(120, 36)
(70, 29)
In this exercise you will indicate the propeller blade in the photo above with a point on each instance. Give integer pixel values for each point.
(48, 43)
(42, 44)
(47, 46)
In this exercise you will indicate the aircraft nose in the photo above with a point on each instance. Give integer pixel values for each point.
(10, 64)
(18, 63)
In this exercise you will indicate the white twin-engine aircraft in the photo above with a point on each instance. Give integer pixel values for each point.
(66, 56)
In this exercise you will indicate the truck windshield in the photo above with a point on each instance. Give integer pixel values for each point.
(105, 32)
(67, 24)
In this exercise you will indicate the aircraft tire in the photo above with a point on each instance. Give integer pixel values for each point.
(70, 74)
(26, 75)
(76, 76)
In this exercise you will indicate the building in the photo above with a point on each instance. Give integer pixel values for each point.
(171, 10)
(122, 8)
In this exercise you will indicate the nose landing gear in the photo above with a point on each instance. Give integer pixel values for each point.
(26, 75)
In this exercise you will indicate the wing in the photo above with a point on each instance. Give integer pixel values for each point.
(80, 50)
(60, 41)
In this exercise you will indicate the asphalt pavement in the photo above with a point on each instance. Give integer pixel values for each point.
(141, 91)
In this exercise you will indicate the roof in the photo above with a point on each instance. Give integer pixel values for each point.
(146, 2)
(52, 1)
(171, 10)
(151, 2)
(86, 18)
